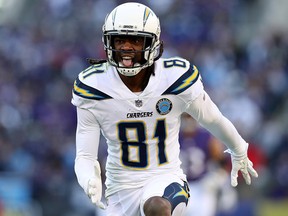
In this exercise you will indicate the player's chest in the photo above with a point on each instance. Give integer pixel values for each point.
(138, 109)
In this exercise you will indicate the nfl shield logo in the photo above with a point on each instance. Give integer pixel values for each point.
(138, 103)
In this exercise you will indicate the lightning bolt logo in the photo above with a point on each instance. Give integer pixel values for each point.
(181, 193)
(189, 80)
(184, 82)
(85, 91)
(146, 15)
(82, 91)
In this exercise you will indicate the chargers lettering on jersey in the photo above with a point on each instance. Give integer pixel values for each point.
(139, 114)
(184, 82)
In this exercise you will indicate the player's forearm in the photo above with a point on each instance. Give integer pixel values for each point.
(225, 131)
(87, 143)
(208, 115)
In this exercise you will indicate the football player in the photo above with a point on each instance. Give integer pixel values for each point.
(135, 99)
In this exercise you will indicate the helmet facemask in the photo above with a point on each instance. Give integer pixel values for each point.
(150, 49)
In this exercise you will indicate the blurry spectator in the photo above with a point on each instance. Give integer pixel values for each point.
(205, 166)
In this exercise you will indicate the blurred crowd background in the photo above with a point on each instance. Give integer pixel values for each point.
(239, 46)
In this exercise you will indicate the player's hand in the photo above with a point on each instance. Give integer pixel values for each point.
(94, 190)
(244, 165)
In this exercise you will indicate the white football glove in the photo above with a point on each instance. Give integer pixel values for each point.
(94, 190)
(243, 164)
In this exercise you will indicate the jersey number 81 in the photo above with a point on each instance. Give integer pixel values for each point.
(140, 143)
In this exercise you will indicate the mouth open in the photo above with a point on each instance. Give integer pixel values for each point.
(127, 61)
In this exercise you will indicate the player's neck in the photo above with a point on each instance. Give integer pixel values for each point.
(138, 82)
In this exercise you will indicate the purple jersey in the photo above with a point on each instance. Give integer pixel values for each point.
(195, 153)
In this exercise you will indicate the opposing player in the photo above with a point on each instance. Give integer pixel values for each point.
(135, 99)
(205, 166)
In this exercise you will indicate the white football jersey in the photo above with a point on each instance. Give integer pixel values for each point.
(141, 129)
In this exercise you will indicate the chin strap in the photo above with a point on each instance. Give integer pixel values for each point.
(161, 49)
(96, 61)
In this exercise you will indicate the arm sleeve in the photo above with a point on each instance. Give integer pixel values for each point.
(204, 110)
(87, 143)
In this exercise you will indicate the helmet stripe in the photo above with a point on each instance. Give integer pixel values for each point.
(147, 12)
(113, 17)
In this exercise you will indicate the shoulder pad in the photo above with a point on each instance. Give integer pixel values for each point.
(187, 79)
(99, 68)
(88, 92)
(86, 84)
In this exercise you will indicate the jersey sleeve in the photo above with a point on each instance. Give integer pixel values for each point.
(81, 93)
(196, 87)
(205, 112)
(87, 144)
(81, 102)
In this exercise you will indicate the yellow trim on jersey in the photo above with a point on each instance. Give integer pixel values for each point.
(182, 193)
(190, 79)
(82, 91)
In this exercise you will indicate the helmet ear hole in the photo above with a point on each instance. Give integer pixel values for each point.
(159, 52)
